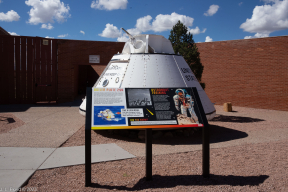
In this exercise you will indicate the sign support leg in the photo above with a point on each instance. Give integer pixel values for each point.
(148, 141)
(206, 151)
(88, 137)
(205, 137)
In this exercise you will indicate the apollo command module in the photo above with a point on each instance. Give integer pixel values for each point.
(149, 61)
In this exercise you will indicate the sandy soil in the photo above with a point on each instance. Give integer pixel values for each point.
(258, 166)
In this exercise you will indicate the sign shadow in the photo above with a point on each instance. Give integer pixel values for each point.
(217, 134)
(161, 182)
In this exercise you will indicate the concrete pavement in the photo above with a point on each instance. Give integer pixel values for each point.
(18, 164)
(34, 145)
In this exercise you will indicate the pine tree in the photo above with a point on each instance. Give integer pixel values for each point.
(184, 44)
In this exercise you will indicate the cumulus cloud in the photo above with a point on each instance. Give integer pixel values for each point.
(208, 39)
(13, 33)
(9, 16)
(82, 32)
(61, 36)
(109, 4)
(267, 18)
(110, 31)
(143, 23)
(196, 31)
(212, 10)
(159, 24)
(257, 35)
(45, 26)
(44, 11)
(49, 37)
(123, 38)
(166, 22)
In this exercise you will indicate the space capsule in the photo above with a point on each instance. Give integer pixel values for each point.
(149, 61)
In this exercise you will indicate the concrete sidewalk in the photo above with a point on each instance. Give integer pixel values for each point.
(34, 145)
(44, 127)
(17, 164)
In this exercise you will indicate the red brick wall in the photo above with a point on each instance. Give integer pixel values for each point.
(249, 73)
(71, 54)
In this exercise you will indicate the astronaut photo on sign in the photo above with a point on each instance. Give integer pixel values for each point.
(183, 102)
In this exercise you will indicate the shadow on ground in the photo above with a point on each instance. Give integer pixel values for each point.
(159, 182)
(217, 134)
(8, 119)
(235, 119)
(24, 107)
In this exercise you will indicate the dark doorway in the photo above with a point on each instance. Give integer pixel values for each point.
(87, 77)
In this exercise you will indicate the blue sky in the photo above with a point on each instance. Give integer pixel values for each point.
(101, 20)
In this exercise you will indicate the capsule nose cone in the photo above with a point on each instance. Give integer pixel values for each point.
(82, 108)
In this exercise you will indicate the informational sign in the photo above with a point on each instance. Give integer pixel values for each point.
(136, 108)
(94, 58)
(144, 108)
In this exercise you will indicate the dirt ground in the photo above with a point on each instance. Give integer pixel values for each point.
(251, 165)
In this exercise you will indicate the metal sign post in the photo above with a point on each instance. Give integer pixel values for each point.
(88, 155)
(205, 137)
(148, 141)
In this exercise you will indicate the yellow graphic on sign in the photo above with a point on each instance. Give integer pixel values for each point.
(149, 111)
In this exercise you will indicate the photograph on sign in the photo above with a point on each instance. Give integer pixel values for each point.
(163, 106)
(108, 115)
(139, 97)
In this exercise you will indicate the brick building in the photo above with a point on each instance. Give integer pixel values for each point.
(247, 72)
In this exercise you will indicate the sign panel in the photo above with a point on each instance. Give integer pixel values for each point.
(136, 108)
(94, 58)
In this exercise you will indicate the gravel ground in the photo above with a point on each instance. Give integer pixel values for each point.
(256, 167)
(248, 153)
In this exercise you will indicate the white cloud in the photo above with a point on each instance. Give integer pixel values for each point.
(44, 11)
(208, 39)
(159, 24)
(82, 32)
(166, 22)
(45, 26)
(61, 36)
(267, 18)
(143, 23)
(109, 4)
(9, 16)
(13, 33)
(257, 35)
(240, 3)
(123, 38)
(110, 31)
(212, 10)
(49, 37)
(196, 31)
